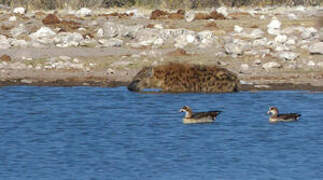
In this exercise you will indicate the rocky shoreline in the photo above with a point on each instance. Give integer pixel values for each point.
(271, 48)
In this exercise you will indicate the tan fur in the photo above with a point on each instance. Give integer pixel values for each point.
(175, 77)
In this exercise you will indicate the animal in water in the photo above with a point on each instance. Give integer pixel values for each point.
(179, 77)
(276, 117)
(198, 117)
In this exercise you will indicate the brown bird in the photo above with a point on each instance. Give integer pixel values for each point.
(198, 117)
(276, 117)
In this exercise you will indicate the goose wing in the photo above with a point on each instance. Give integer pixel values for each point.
(288, 117)
(212, 114)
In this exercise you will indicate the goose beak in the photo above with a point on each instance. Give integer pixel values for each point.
(181, 110)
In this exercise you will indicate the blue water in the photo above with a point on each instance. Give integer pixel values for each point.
(109, 133)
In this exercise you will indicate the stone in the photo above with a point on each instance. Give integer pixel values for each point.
(244, 67)
(43, 32)
(113, 30)
(68, 39)
(51, 19)
(311, 63)
(84, 12)
(189, 16)
(100, 33)
(190, 38)
(275, 32)
(19, 10)
(292, 16)
(158, 42)
(12, 18)
(316, 48)
(281, 38)
(232, 48)
(291, 42)
(274, 24)
(260, 42)
(17, 31)
(288, 55)
(308, 33)
(4, 42)
(255, 34)
(257, 62)
(320, 64)
(271, 65)
(19, 43)
(238, 29)
(26, 81)
(113, 42)
(5, 58)
(222, 10)
(262, 17)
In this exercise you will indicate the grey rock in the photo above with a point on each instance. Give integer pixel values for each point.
(288, 55)
(4, 42)
(316, 48)
(68, 39)
(113, 42)
(271, 65)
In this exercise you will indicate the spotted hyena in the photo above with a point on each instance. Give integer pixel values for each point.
(175, 77)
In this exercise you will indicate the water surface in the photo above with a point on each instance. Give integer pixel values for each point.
(110, 133)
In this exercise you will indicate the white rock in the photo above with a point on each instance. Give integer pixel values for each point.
(238, 29)
(292, 16)
(190, 38)
(4, 42)
(288, 55)
(233, 48)
(88, 42)
(308, 33)
(281, 38)
(271, 65)
(113, 42)
(262, 17)
(222, 10)
(260, 42)
(68, 39)
(244, 67)
(316, 48)
(19, 43)
(84, 12)
(189, 16)
(65, 58)
(274, 24)
(158, 26)
(257, 62)
(158, 42)
(275, 32)
(256, 34)
(12, 18)
(136, 13)
(300, 8)
(291, 42)
(19, 10)
(26, 81)
(43, 32)
(311, 63)
(100, 33)
(20, 29)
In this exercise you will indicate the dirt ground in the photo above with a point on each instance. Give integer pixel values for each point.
(117, 65)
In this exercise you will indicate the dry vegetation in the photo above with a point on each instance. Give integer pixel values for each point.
(187, 4)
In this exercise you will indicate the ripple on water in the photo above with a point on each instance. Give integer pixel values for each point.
(108, 133)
